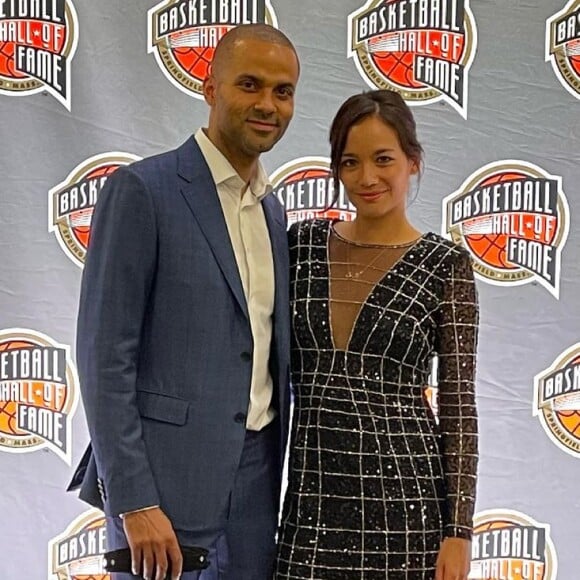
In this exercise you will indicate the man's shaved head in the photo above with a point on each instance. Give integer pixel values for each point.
(230, 40)
(250, 91)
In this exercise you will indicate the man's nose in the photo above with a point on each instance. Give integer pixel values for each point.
(265, 104)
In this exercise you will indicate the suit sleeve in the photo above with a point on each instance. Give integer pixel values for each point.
(456, 347)
(116, 284)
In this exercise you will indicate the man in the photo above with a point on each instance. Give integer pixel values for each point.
(183, 331)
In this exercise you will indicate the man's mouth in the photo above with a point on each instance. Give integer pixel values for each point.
(263, 125)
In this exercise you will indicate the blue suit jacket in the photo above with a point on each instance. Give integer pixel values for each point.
(164, 344)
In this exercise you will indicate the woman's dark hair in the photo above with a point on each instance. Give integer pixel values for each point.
(391, 108)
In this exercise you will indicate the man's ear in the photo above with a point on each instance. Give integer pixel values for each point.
(209, 89)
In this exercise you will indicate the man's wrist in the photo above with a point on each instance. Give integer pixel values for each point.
(150, 507)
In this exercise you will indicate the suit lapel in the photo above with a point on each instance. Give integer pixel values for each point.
(279, 241)
(199, 191)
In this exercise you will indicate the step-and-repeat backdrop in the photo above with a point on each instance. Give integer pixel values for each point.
(86, 87)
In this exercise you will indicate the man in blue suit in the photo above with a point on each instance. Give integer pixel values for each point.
(183, 331)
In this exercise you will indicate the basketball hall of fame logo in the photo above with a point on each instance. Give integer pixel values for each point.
(71, 203)
(77, 553)
(38, 39)
(183, 35)
(513, 217)
(420, 48)
(557, 400)
(510, 545)
(38, 393)
(563, 46)
(305, 187)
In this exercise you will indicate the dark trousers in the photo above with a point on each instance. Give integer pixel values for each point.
(245, 548)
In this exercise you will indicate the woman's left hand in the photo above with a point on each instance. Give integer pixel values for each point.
(454, 559)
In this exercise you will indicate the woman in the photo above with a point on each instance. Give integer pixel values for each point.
(377, 488)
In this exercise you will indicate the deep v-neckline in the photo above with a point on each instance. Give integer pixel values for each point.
(372, 288)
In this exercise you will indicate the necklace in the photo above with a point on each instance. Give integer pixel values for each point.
(384, 247)
(359, 273)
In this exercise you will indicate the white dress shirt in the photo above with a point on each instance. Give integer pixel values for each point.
(250, 241)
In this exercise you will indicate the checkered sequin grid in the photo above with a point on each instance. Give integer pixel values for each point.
(373, 482)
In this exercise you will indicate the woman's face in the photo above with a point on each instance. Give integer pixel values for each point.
(374, 169)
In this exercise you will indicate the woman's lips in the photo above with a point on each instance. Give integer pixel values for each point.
(371, 196)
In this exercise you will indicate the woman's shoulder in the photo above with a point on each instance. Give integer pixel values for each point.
(445, 252)
(305, 230)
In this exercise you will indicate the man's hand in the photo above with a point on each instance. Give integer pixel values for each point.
(153, 544)
(454, 559)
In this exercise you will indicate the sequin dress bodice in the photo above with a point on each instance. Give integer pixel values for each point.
(375, 481)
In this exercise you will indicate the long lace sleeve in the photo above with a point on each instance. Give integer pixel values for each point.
(456, 347)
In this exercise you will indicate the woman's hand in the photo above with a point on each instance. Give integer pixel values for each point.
(454, 559)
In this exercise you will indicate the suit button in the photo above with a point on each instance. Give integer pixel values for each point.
(240, 418)
(246, 356)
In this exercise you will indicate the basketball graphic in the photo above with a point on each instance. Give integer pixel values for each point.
(426, 57)
(71, 203)
(194, 60)
(9, 408)
(491, 248)
(7, 70)
(38, 393)
(80, 221)
(557, 400)
(184, 47)
(573, 54)
(396, 65)
(36, 48)
(513, 217)
(306, 188)
(563, 46)
(510, 544)
(77, 553)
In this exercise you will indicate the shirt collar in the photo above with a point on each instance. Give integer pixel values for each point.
(222, 171)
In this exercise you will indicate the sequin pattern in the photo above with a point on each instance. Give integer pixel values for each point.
(375, 482)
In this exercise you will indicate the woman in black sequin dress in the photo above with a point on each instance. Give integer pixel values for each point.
(377, 487)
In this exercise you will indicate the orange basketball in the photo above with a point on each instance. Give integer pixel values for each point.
(491, 248)
(82, 233)
(307, 174)
(313, 173)
(574, 59)
(495, 525)
(397, 67)
(575, 63)
(7, 61)
(8, 48)
(8, 409)
(194, 61)
(570, 419)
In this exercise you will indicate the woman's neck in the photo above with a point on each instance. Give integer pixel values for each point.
(379, 230)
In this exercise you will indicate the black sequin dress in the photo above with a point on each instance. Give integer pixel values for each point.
(375, 481)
